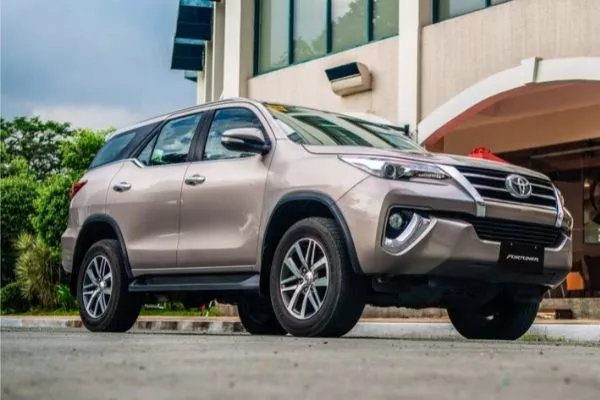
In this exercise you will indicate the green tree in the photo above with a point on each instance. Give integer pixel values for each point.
(37, 271)
(78, 152)
(51, 209)
(12, 166)
(17, 195)
(36, 141)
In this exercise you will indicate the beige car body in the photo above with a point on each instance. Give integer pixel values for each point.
(220, 225)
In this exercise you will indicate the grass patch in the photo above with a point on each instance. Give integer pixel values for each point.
(541, 338)
(146, 311)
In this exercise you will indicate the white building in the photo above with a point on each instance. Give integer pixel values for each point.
(520, 77)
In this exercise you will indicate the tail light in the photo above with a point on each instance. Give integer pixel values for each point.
(76, 187)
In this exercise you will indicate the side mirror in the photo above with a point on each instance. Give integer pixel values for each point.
(249, 140)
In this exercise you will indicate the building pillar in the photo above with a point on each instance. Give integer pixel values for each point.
(200, 84)
(218, 47)
(238, 47)
(413, 16)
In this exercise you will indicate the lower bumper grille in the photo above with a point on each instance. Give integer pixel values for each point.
(500, 230)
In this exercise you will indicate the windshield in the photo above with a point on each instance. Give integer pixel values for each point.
(315, 127)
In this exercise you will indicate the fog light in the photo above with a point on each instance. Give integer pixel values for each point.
(395, 221)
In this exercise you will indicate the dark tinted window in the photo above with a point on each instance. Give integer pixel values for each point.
(111, 149)
(224, 119)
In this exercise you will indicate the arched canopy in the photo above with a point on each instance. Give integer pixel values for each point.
(534, 74)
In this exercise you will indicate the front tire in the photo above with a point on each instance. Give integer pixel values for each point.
(105, 303)
(257, 316)
(509, 320)
(313, 290)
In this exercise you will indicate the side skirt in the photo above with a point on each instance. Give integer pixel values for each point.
(247, 282)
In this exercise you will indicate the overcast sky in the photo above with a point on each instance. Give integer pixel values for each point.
(94, 63)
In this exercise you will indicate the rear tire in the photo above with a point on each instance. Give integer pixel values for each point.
(105, 303)
(508, 321)
(257, 316)
(313, 290)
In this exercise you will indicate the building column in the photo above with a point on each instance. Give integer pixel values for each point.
(238, 47)
(413, 16)
(218, 47)
(204, 79)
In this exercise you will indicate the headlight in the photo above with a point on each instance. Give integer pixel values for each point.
(395, 169)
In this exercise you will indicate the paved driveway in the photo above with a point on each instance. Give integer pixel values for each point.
(75, 364)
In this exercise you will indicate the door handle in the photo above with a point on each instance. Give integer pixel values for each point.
(122, 187)
(194, 180)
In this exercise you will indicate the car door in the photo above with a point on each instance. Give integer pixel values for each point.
(222, 199)
(144, 196)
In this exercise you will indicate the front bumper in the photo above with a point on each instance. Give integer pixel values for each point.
(446, 246)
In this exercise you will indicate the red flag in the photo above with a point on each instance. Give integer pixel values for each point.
(486, 154)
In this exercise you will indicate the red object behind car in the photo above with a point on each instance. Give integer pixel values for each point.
(482, 152)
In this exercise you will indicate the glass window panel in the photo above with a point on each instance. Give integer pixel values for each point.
(309, 29)
(174, 140)
(144, 156)
(273, 34)
(453, 8)
(385, 18)
(111, 150)
(348, 23)
(225, 119)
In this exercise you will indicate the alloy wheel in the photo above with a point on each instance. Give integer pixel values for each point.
(304, 278)
(97, 286)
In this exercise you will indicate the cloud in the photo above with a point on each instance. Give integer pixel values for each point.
(107, 54)
(89, 116)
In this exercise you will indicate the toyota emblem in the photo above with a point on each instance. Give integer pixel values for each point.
(518, 186)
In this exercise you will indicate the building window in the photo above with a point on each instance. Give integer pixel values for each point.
(385, 18)
(293, 31)
(272, 34)
(446, 9)
(348, 24)
(310, 39)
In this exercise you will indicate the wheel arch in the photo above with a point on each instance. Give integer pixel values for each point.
(95, 228)
(291, 208)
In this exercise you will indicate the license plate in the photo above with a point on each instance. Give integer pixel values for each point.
(526, 259)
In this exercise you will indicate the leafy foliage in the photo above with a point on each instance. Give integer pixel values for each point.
(11, 166)
(37, 271)
(36, 141)
(66, 300)
(78, 152)
(12, 300)
(17, 196)
(51, 209)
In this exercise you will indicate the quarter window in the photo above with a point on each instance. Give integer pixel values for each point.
(112, 149)
(225, 119)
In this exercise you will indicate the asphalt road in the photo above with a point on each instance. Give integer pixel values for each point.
(80, 365)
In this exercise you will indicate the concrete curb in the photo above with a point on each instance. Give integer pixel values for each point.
(589, 333)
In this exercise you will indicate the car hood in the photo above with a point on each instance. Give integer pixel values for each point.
(428, 157)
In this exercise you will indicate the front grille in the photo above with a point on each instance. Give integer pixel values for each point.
(491, 185)
(502, 230)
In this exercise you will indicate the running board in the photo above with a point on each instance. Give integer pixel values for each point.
(193, 283)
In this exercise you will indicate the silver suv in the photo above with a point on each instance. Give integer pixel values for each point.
(300, 217)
